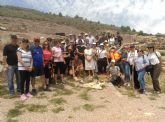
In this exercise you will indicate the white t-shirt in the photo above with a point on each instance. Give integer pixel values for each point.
(132, 56)
(57, 53)
(91, 39)
(154, 58)
(77, 41)
(101, 53)
(111, 41)
(26, 57)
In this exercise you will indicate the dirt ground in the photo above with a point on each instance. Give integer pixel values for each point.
(87, 105)
(71, 103)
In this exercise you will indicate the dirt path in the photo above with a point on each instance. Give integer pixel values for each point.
(74, 104)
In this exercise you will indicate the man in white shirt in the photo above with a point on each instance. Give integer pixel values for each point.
(91, 38)
(132, 55)
(154, 58)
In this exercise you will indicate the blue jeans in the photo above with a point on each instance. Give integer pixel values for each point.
(141, 79)
(10, 76)
(126, 70)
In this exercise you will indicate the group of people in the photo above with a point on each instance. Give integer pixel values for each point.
(76, 56)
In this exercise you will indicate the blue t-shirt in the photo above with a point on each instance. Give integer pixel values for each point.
(37, 55)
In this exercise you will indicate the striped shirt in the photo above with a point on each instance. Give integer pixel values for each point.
(26, 57)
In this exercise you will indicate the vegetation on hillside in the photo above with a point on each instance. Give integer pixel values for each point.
(77, 22)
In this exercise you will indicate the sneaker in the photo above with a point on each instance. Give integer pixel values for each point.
(157, 92)
(34, 92)
(63, 82)
(23, 97)
(28, 95)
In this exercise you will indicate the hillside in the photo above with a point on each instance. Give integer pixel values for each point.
(76, 22)
(29, 23)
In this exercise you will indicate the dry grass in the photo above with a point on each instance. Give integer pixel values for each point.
(84, 95)
(58, 109)
(36, 108)
(58, 101)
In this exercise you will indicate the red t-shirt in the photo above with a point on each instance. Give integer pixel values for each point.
(46, 56)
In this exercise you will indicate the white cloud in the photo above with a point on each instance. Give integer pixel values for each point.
(146, 15)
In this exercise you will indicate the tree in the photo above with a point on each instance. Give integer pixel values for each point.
(133, 30)
(76, 16)
(60, 14)
(125, 29)
(141, 33)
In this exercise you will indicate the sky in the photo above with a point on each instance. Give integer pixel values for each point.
(145, 15)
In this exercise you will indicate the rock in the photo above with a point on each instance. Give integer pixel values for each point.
(3, 28)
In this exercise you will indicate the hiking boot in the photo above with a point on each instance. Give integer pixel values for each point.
(34, 92)
(23, 97)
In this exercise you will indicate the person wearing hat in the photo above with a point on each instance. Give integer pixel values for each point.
(154, 58)
(132, 55)
(80, 47)
(38, 68)
(11, 61)
(102, 59)
(79, 39)
(71, 38)
(91, 38)
(114, 74)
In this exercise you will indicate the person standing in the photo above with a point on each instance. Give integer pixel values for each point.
(132, 55)
(58, 61)
(118, 39)
(80, 47)
(11, 61)
(125, 66)
(140, 64)
(91, 38)
(47, 57)
(25, 64)
(89, 61)
(102, 59)
(37, 55)
(155, 60)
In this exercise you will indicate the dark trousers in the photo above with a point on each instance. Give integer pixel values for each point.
(25, 78)
(82, 58)
(155, 72)
(47, 72)
(102, 64)
(66, 67)
(135, 77)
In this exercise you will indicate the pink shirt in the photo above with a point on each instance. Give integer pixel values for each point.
(46, 55)
(57, 53)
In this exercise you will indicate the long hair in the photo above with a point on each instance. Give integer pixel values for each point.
(43, 45)
(25, 41)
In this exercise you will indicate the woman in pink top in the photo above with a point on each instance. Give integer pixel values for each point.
(47, 57)
(58, 61)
